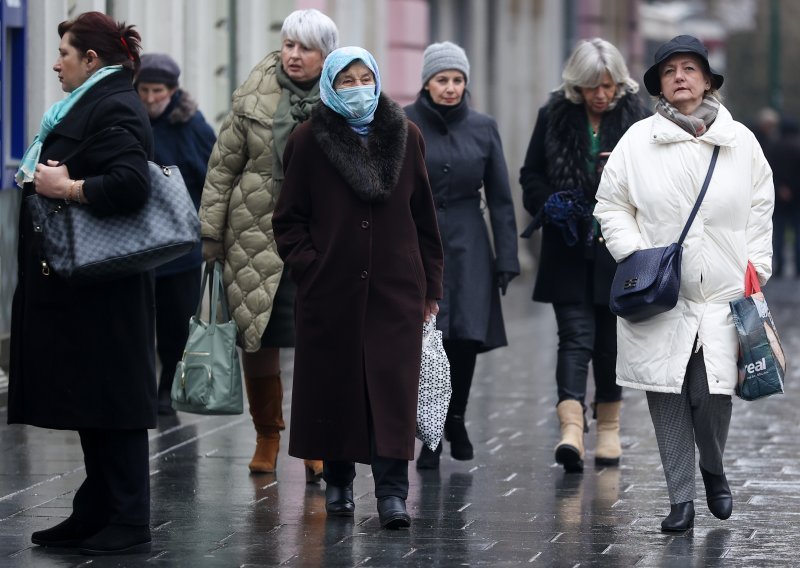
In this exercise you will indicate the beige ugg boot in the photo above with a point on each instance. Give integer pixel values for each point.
(608, 447)
(569, 451)
(265, 395)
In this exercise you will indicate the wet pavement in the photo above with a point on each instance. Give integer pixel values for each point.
(510, 506)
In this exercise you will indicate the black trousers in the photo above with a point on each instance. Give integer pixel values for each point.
(390, 474)
(586, 332)
(462, 355)
(117, 485)
(177, 297)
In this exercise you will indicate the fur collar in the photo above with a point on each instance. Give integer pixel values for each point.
(567, 142)
(183, 108)
(371, 170)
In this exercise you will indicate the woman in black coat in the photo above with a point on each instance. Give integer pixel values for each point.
(82, 356)
(464, 153)
(574, 134)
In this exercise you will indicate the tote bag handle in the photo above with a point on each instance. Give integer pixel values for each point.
(218, 296)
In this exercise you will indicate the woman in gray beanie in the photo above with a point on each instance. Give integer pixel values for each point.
(463, 154)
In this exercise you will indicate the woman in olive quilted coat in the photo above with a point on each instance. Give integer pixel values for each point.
(244, 179)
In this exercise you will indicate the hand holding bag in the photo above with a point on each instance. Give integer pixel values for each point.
(81, 246)
(647, 282)
(762, 363)
(434, 386)
(208, 379)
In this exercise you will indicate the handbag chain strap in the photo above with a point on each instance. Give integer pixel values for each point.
(701, 196)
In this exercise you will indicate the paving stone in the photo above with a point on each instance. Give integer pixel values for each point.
(510, 506)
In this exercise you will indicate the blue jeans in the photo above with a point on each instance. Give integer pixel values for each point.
(586, 332)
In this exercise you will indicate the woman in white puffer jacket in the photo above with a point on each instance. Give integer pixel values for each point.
(686, 358)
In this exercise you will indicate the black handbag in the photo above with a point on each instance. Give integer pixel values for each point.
(81, 246)
(647, 282)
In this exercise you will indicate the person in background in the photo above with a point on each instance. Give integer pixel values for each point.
(784, 158)
(356, 224)
(574, 133)
(685, 358)
(83, 357)
(463, 153)
(182, 138)
(245, 176)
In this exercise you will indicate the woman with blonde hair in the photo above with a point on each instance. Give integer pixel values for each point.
(575, 131)
(245, 175)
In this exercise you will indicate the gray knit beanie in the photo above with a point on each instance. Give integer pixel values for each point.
(443, 57)
(158, 68)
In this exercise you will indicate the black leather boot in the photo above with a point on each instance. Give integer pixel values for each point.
(718, 494)
(680, 518)
(429, 459)
(392, 513)
(339, 500)
(455, 432)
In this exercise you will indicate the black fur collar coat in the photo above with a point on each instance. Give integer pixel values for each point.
(559, 159)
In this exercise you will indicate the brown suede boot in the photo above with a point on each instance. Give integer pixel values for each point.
(265, 395)
(608, 447)
(569, 451)
(313, 471)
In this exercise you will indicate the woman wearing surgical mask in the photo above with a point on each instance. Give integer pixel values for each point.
(356, 225)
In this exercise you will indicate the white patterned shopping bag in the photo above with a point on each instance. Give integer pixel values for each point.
(434, 386)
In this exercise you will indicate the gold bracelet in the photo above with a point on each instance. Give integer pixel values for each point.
(79, 191)
(69, 191)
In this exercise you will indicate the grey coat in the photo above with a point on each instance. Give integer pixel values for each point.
(463, 154)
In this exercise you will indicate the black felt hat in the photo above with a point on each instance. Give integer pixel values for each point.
(679, 44)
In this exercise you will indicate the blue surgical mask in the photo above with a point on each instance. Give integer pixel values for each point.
(361, 101)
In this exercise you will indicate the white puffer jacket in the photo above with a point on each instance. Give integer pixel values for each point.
(239, 198)
(646, 194)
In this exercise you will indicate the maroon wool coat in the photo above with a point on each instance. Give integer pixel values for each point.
(356, 225)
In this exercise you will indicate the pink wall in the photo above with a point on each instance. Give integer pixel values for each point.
(407, 37)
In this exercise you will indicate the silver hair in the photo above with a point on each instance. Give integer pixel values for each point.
(588, 64)
(313, 29)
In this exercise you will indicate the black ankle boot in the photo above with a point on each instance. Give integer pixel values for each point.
(680, 518)
(66, 534)
(429, 459)
(718, 494)
(118, 539)
(455, 432)
(339, 500)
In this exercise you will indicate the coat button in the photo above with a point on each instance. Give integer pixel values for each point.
(601, 240)
(446, 168)
(364, 224)
(364, 274)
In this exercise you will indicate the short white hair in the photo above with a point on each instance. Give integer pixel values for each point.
(586, 66)
(313, 29)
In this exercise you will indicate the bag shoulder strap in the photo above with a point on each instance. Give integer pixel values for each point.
(701, 196)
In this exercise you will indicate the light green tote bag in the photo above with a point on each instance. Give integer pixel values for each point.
(208, 379)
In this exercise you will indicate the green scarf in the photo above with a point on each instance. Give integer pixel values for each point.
(696, 123)
(294, 107)
(51, 118)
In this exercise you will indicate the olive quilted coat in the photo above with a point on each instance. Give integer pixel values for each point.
(239, 197)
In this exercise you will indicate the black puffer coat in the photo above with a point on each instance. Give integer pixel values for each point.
(559, 159)
(83, 356)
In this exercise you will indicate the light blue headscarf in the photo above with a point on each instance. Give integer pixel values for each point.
(337, 60)
(53, 116)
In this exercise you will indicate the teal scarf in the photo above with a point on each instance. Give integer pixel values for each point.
(51, 118)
